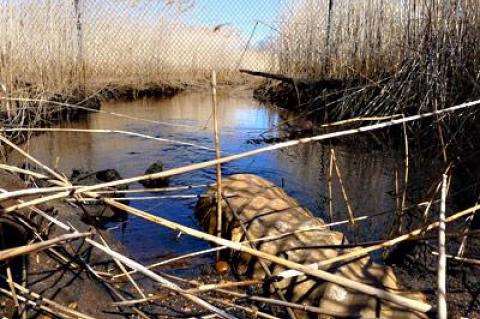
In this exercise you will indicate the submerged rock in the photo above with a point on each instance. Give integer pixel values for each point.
(266, 210)
(156, 167)
(100, 212)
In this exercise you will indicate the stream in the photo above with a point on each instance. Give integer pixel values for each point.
(368, 175)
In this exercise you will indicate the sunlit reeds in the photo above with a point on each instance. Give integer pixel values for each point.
(55, 46)
(409, 51)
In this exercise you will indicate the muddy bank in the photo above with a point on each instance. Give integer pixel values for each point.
(60, 274)
(416, 267)
(34, 108)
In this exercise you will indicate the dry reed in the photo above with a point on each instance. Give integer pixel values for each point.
(408, 56)
(62, 47)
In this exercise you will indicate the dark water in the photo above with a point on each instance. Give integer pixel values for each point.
(369, 176)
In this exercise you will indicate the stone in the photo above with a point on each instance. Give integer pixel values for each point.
(95, 212)
(156, 167)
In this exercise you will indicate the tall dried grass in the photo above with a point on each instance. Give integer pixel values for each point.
(64, 45)
(411, 52)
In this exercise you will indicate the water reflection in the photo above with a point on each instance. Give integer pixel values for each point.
(303, 170)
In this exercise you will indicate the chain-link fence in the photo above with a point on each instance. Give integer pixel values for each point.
(58, 44)
(63, 42)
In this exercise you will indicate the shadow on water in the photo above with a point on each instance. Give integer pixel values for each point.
(302, 170)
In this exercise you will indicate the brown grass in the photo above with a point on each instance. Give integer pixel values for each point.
(115, 44)
(409, 52)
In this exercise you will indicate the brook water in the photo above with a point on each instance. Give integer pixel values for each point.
(369, 176)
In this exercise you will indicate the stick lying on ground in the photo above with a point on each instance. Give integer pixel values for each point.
(199, 289)
(27, 249)
(460, 259)
(302, 307)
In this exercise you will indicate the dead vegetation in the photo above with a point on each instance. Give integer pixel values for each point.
(391, 58)
(140, 298)
(389, 63)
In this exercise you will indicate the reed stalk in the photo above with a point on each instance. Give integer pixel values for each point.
(344, 191)
(330, 181)
(442, 260)
(471, 261)
(217, 155)
(27, 249)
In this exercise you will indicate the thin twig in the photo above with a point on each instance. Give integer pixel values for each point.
(27, 249)
(105, 131)
(344, 191)
(330, 192)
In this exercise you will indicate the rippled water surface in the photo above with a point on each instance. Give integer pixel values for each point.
(368, 176)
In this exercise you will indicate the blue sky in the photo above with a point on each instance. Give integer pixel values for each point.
(242, 14)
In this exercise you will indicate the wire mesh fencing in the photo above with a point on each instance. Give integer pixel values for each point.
(61, 43)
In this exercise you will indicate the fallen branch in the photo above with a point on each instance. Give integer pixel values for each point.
(319, 84)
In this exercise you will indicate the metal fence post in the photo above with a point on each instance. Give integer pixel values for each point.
(80, 58)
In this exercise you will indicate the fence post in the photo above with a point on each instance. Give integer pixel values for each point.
(80, 58)
(327, 38)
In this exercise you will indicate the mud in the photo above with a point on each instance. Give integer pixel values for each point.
(60, 276)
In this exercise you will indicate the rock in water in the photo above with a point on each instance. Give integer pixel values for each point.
(100, 212)
(108, 175)
(156, 167)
